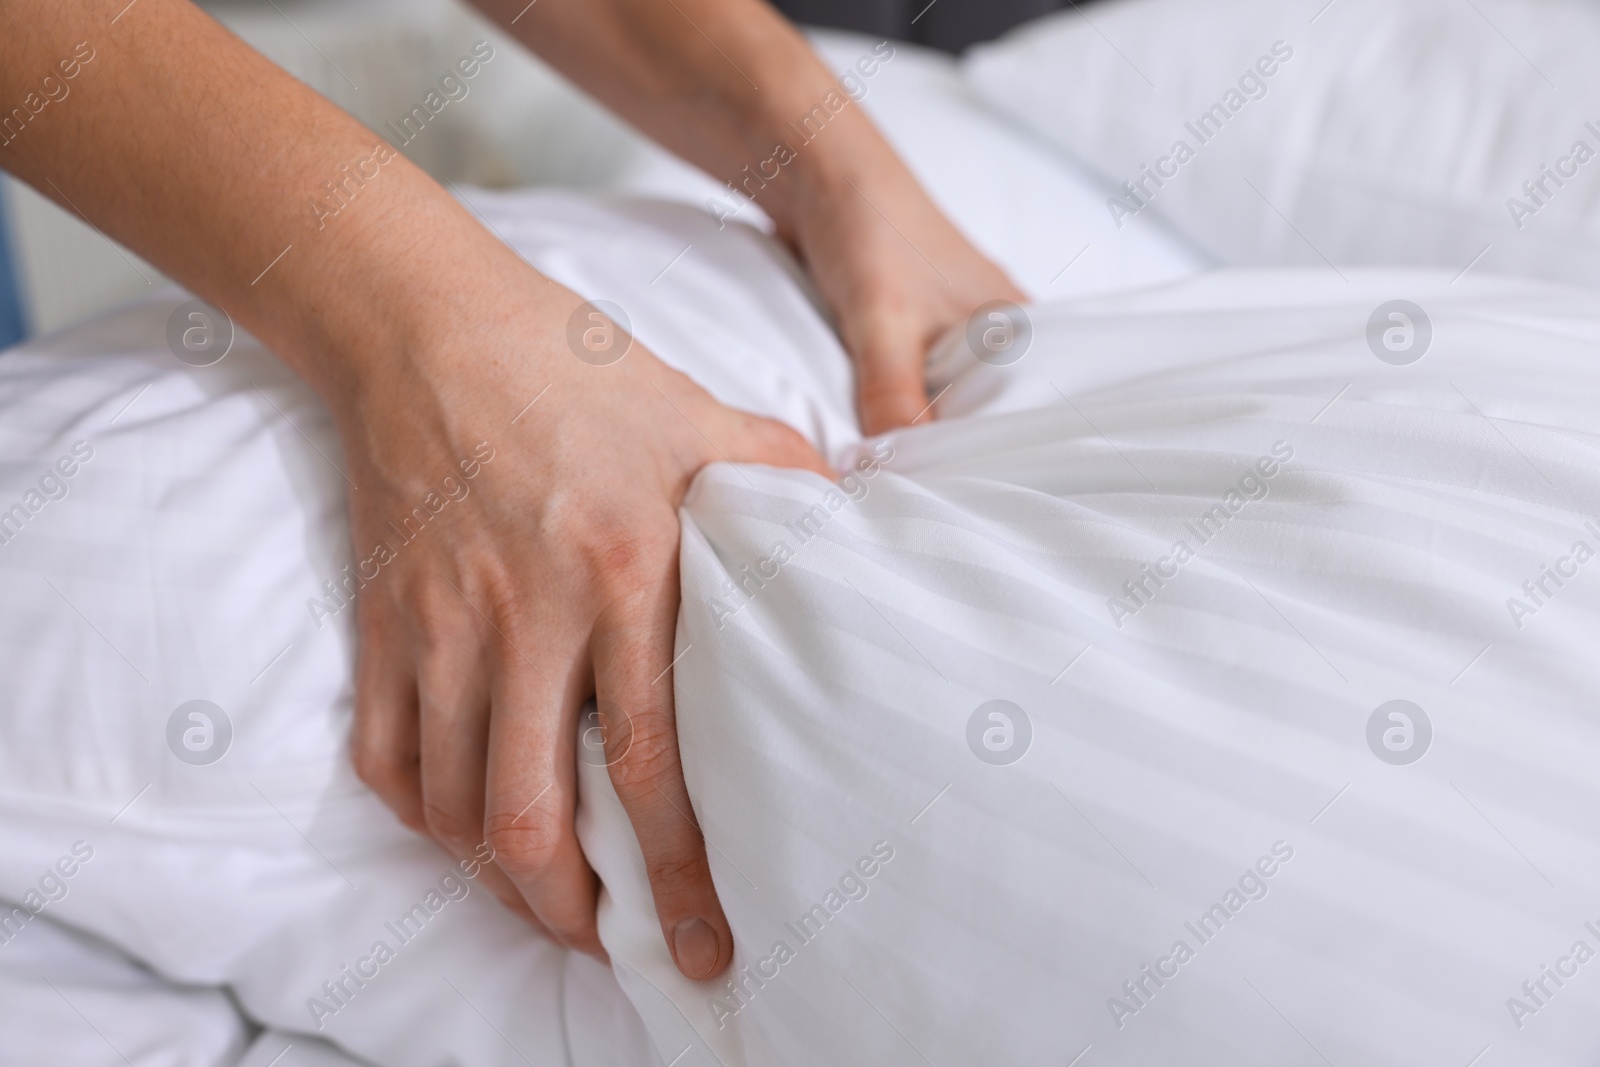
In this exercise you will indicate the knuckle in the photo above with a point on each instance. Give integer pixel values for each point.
(651, 760)
(391, 776)
(781, 439)
(450, 827)
(627, 554)
(623, 566)
(581, 934)
(619, 555)
(676, 875)
(525, 845)
(376, 767)
(433, 616)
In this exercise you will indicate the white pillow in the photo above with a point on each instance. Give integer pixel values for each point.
(1039, 216)
(1386, 132)
(834, 716)
(73, 998)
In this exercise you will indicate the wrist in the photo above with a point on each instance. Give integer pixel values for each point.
(400, 323)
(395, 290)
(804, 140)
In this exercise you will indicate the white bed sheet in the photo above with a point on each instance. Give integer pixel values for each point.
(826, 722)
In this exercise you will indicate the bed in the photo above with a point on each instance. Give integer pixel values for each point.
(1210, 683)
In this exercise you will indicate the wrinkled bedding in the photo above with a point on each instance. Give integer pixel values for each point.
(1194, 689)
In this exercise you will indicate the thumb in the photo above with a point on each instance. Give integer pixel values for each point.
(890, 389)
(738, 436)
(768, 441)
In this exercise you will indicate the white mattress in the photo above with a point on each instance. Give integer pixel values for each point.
(834, 723)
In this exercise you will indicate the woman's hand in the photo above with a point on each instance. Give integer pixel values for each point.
(516, 559)
(545, 569)
(897, 275)
(548, 573)
(728, 85)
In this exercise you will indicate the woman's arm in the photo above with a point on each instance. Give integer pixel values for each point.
(731, 86)
(480, 640)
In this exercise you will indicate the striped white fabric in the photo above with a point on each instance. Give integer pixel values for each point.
(1208, 854)
(1197, 829)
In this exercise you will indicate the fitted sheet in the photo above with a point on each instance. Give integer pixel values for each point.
(1206, 744)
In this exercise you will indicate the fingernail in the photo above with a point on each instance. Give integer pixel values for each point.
(695, 944)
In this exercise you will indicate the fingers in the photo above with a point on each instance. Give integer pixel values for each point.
(771, 442)
(632, 650)
(890, 390)
(531, 795)
(736, 436)
(384, 742)
(453, 698)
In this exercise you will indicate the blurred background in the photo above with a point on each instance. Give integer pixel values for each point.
(522, 123)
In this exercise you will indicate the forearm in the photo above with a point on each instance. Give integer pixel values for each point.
(733, 88)
(725, 84)
(181, 142)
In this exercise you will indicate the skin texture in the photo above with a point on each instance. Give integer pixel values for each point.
(427, 338)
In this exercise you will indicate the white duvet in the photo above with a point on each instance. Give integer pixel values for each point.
(1062, 732)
